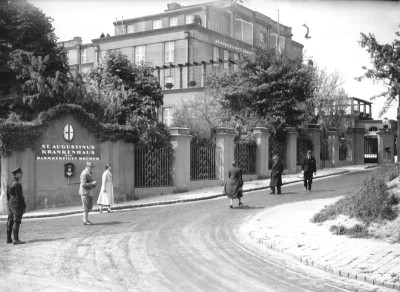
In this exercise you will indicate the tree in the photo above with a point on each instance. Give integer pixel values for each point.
(26, 35)
(385, 66)
(329, 105)
(126, 91)
(267, 87)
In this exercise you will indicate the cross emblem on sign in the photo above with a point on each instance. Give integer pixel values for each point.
(68, 133)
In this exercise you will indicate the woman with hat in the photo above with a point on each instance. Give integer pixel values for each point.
(276, 175)
(233, 187)
(106, 196)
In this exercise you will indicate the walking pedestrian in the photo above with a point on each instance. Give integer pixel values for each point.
(106, 196)
(233, 187)
(308, 168)
(86, 185)
(276, 175)
(16, 208)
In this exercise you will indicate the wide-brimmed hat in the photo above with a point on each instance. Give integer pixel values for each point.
(89, 163)
(275, 157)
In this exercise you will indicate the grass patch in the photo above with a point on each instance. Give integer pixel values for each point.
(370, 202)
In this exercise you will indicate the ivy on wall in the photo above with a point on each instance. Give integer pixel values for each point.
(16, 135)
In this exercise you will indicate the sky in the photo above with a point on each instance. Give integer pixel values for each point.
(335, 28)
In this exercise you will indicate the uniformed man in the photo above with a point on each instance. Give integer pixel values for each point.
(308, 168)
(16, 208)
(86, 185)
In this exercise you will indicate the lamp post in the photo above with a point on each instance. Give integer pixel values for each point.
(385, 123)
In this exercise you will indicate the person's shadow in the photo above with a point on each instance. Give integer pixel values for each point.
(108, 223)
(246, 207)
(44, 240)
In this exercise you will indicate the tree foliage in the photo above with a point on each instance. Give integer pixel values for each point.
(126, 91)
(329, 106)
(27, 44)
(267, 88)
(385, 61)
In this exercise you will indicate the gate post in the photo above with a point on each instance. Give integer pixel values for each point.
(291, 149)
(180, 139)
(333, 138)
(385, 146)
(314, 132)
(225, 151)
(356, 136)
(262, 155)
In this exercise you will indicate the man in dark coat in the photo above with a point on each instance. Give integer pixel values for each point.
(308, 168)
(233, 187)
(276, 175)
(16, 208)
(86, 185)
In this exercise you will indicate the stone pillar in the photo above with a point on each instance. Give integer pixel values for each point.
(180, 139)
(291, 150)
(262, 156)
(314, 131)
(356, 145)
(385, 146)
(224, 138)
(333, 141)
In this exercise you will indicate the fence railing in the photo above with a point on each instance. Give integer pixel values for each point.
(245, 156)
(153, 167)
(304, 144)
(203, 162)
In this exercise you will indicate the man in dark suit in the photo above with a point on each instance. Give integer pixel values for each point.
(308, 168)
(16, 208)
(86, 185)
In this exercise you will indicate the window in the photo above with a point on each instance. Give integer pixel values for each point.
(157, 24)
(83, 56)
(216, 56)
(226, 60)
(167, 116)
(173, 21)
(373, 129)
(189, 18)
(236, 59)
(243, 31)
(130, 28)
(141, 26)
(169, 52)
(140, 54)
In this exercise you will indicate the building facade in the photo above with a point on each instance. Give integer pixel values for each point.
(184, 43)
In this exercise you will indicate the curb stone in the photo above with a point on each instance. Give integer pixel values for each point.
(327, 268)
(134, 206)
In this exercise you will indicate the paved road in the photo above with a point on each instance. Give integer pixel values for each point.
(189, 247)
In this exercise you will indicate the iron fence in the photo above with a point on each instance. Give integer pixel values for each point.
(245, 156)
(153, 167)
(203, 162)
(304, 144)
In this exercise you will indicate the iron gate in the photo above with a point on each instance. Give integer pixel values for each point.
(370, 149)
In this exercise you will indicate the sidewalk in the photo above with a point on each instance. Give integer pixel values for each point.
(288, 230)
(190, 196)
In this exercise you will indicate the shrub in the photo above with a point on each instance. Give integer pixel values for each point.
(369, 202)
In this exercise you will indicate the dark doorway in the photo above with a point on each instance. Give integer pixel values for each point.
(371, 149)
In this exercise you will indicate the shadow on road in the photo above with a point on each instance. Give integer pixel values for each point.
(244, 207)
(44, 239)
(109, 223)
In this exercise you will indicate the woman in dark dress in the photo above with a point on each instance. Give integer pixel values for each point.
(233, 187)
(276, 175)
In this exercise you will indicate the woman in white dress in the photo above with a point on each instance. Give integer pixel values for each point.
(106, 196)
